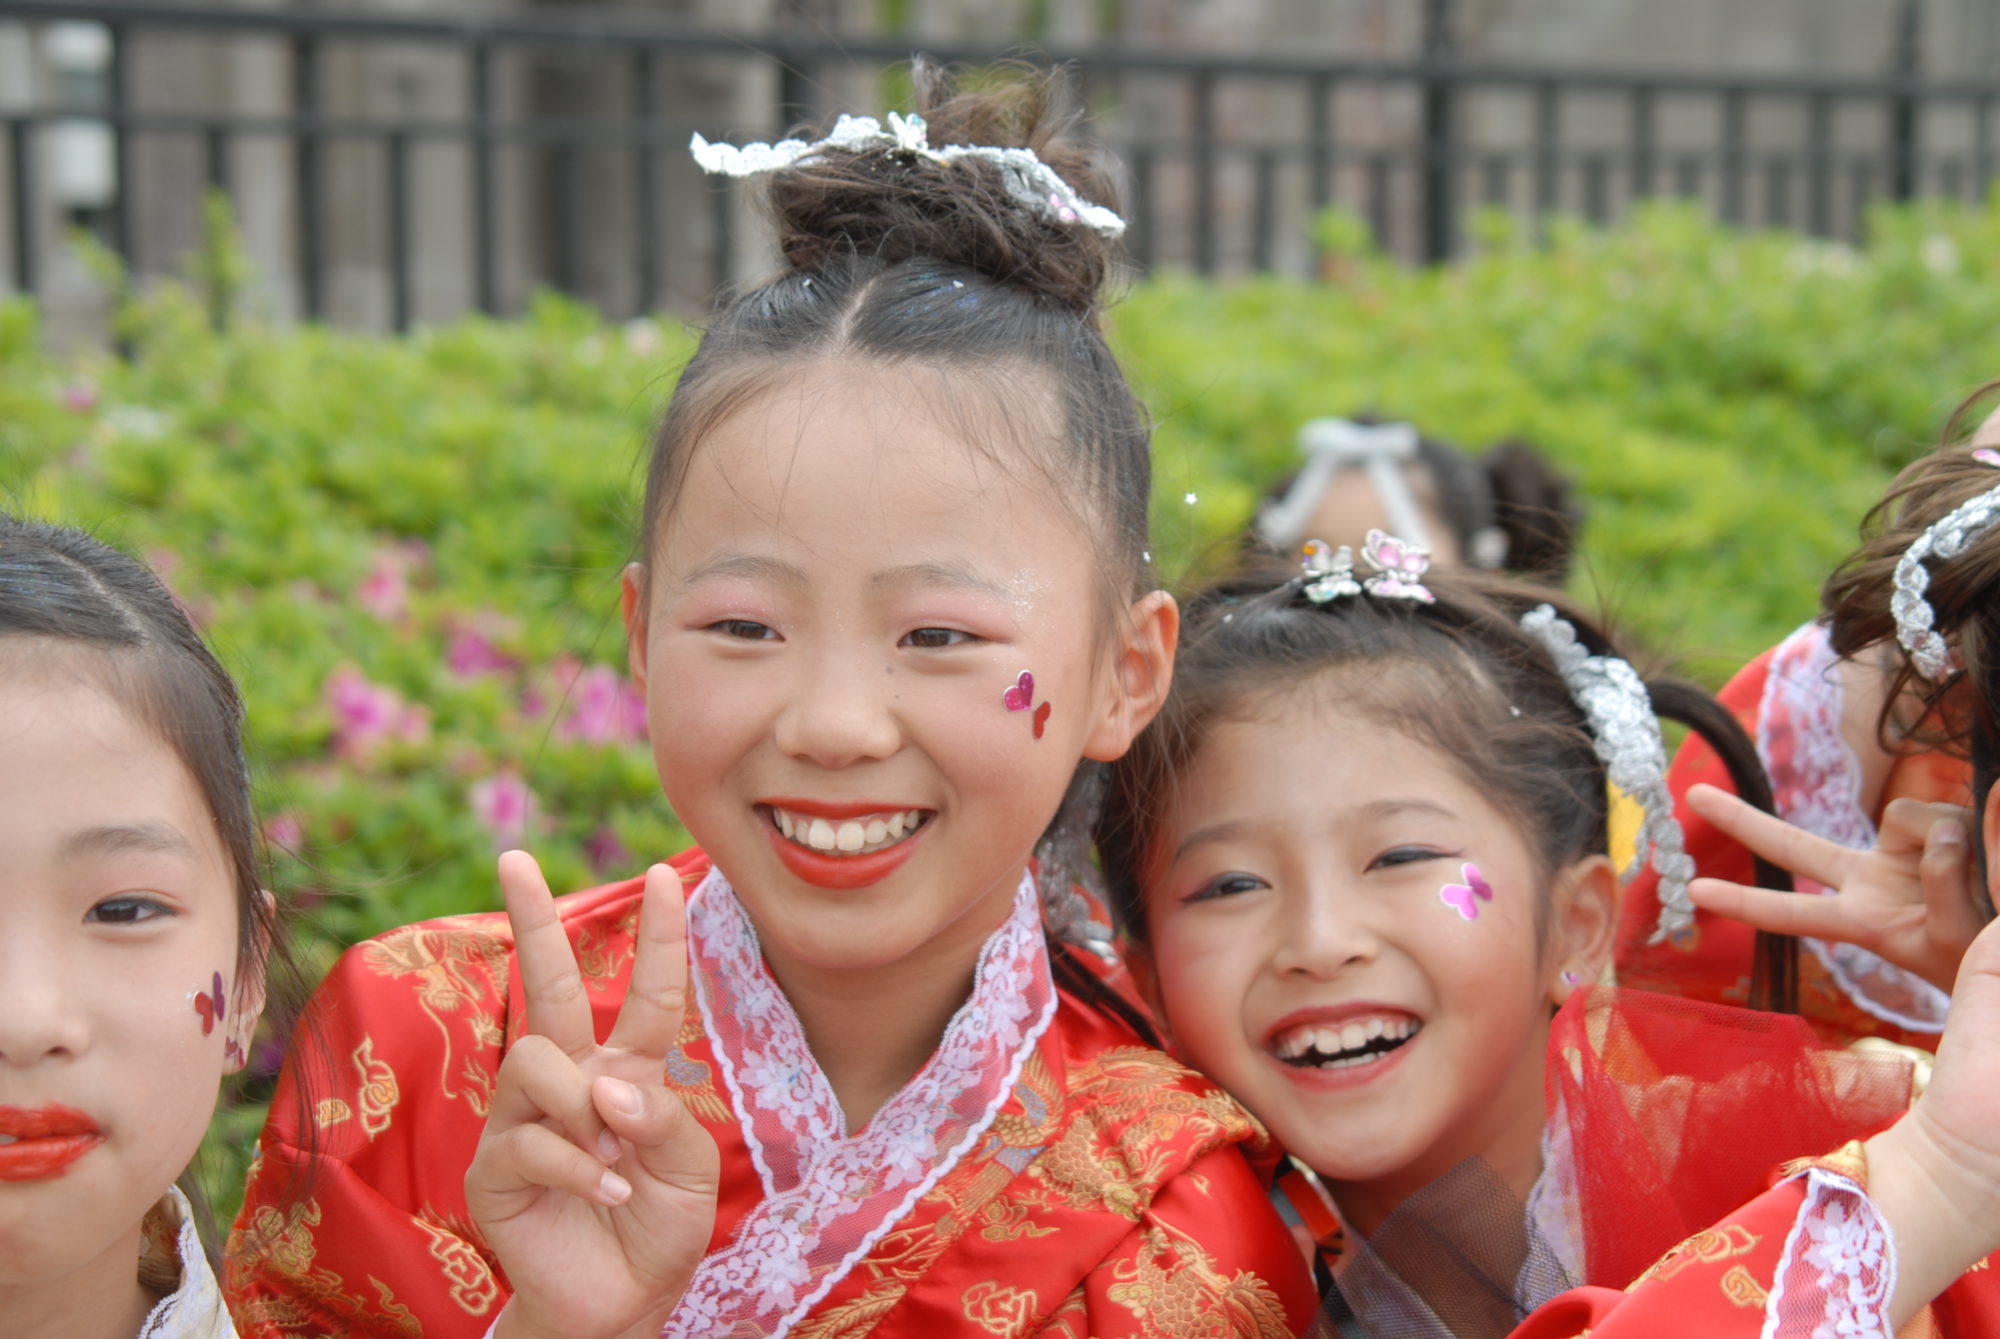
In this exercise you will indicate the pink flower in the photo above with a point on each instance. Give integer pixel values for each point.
(505, 807)
(165, 562)
(471, 655)
(284, 830)
(604, 709)
(606, 853)
(385, 591)
(79, 397)
(366, 714)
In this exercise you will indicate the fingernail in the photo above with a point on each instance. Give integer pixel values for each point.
(607, 1147)
(1949, 833)
(622, 1096)
(613, 1188)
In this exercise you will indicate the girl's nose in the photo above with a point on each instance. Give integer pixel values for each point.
(40, 1016)
(843, 713)
(1322, 934)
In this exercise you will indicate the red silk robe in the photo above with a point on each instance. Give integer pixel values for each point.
(1791, 707)
(1110, 1196)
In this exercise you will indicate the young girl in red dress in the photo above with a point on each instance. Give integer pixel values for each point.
(1363, 856)
(135, 939)
(1853, 762)
(891, 614)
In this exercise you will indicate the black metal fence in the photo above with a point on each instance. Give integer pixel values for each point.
(561, 160)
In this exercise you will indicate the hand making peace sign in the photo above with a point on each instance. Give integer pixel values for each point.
(592, 1251)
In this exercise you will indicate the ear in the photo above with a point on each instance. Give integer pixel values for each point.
(251, 990)
(1583, 924)
(1141, 672)
(632, 605)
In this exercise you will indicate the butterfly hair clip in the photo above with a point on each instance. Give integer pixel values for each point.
(1399, 569)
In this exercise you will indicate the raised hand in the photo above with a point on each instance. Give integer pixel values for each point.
(1912, 900)
(1935, 1174)
(592, 1183)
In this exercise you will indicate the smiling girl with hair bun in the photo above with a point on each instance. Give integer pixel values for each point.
(891, 613)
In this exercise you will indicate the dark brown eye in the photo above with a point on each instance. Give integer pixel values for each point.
(126, 910)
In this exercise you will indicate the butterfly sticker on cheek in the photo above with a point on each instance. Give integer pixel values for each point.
(1465, 897)
(1020, 695)
(212, 1007)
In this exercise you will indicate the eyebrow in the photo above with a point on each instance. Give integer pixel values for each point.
(1208, 836)
(749, 565)
(126, 838)
(953, 575)
(1233, 829)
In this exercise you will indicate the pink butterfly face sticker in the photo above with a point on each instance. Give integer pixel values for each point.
(1466, 897)
(1400, 565)
(1021, 695)
(209, 1005)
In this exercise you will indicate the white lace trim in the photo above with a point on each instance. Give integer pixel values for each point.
(1838, 1269)
(194, 1310)
(1817, 784)
(830, 1197)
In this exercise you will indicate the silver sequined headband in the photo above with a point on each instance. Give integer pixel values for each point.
(1626, 733)
(1027, 178)
(1915, 620)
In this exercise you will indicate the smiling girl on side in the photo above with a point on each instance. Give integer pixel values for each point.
(133, 939)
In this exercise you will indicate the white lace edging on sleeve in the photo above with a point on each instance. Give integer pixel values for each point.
(1838, 1269)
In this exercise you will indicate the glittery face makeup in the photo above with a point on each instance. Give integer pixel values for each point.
(1020, 695)
(1465, 897)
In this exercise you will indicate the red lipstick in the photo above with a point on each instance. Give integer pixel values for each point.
(46, 1141)
(827, 869)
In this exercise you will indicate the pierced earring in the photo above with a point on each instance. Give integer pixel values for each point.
(1571, 979)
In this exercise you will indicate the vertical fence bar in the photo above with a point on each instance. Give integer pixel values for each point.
(1903, 144)
(1735, 129)
(645, 186)
(1437, 177)
(1982, 147)
(1264, 212)
(21, 160)
(1204, 171)
(306, 156)
(1645, 155)
(725, 250)
(485, 265)
(1548, 152)
(396, 152)
(1497, 177)
(1319, 140)
(1687, 176)
(1778, 193)
(1819, 167)
(1858, 198)
(1142, 235)
(1596, 188)
(124, 216)
(1378, 198)
(563, 271)
(215, 157)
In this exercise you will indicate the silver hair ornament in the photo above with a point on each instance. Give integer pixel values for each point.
(1626, 733)
(1330, 445)
(1027, 178)
(1915, 619)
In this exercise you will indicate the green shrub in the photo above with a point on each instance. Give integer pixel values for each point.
(408, 549)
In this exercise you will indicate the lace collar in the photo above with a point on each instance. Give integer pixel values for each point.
(170, 1248)
(1816, 782)
(828, 1196)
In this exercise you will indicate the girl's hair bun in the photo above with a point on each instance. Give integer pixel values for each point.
(893, 206)
(1535, 507)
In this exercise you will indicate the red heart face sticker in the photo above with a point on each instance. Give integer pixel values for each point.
(1022, 694)
(210, 1009)
(1041, 718)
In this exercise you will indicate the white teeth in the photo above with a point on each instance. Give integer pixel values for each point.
(1340, 1045)
(848, 836)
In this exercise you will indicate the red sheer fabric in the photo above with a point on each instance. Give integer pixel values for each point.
(1679, 1111)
